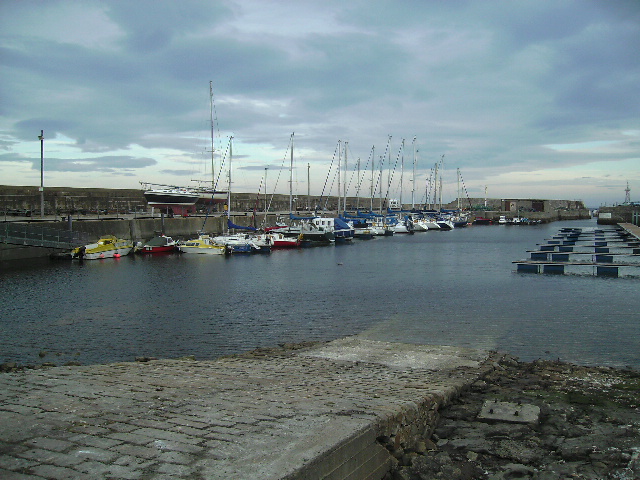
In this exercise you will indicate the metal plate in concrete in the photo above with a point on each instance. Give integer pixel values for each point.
(509, 412)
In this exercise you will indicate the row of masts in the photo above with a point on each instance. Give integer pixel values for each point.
(433, 187)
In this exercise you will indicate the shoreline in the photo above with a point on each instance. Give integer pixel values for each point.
(588, 427)
(421, 409)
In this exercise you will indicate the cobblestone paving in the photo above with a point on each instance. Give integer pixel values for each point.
(259, 416)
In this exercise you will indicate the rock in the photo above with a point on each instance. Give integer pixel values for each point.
(588, 427)
(513, 471)
(8, 367)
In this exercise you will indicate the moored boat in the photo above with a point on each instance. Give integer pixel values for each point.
(482, 221)
(172, 199)
(279, 240)
(107, 246)
(445, 223)
(202, 245)
(159, 244)
(243, 243)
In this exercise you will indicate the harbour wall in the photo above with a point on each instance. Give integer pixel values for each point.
(141, 229)
(64, 200)
(619, 214)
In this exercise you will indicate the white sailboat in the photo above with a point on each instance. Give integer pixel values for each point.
(183, 201)
(240, 242)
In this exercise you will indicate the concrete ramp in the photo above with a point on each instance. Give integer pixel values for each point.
(317, 412)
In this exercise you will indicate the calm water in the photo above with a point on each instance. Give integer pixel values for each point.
(445, 288)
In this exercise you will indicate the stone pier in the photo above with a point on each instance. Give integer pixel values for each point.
(333, 410)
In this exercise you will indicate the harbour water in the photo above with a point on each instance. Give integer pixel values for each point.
(443, 288)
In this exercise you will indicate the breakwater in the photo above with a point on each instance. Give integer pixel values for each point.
(140, 228)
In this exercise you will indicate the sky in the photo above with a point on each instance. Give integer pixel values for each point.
(525, 99)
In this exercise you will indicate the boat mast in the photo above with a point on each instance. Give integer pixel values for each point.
(291, 179)
(427, 191)
(413, 178)
(388, 172)
(229, 187)
(380, 185)
(308, 187)
(373, 161)
(358, 186)
(213, 176)
(345, 175)
(265, 193)
(401, 173)
(339, 173)
(440, 189)
(435, 186)
(458, 171)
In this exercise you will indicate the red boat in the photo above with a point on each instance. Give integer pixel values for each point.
(279, 240)
(159, 244)
(482, 221)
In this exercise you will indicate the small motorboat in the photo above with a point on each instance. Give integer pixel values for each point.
(107, 247)
(204, 244)
(159, 244)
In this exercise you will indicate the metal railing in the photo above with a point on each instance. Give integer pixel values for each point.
(38, 236)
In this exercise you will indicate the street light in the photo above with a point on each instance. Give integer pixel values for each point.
(41, 138)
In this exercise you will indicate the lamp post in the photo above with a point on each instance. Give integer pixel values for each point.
(41, 138)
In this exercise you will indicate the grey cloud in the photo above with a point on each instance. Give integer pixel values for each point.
(106, 164)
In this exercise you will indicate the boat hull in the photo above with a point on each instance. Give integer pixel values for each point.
(203, 250)
(106, 247)
(115, 253)
(165, 249)
(182, 201)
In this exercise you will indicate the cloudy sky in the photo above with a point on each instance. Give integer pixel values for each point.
(529, 99)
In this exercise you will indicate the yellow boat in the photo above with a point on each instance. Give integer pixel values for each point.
(107, 247)
(204, 244)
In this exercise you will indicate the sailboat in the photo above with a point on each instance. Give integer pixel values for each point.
(304, 228)
(183, 201)
(238, 243)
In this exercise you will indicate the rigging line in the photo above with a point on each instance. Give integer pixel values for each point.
(284, 159)
(223, 160)
(335, 175)
(425, 197)
(353, 173)
(381, 166)
(364, 170)
(327, 177)
(206, 216)
(465, 190)
(393, 172)
(214, 121)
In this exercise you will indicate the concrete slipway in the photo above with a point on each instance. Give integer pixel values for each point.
(315, 412)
